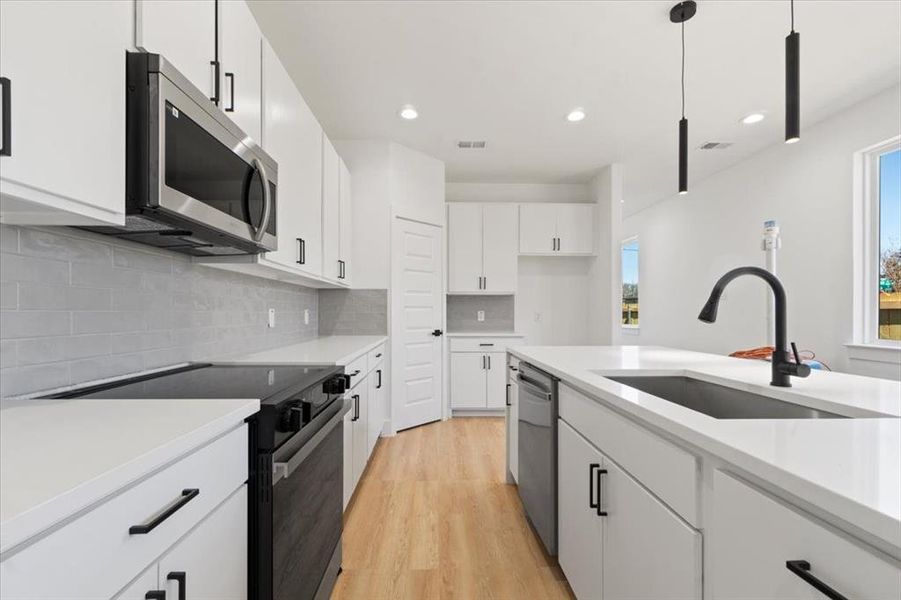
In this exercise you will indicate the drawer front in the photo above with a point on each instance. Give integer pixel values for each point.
(485, 344)
(94, 556)
(375, 357)
(753, 535)
(668, 471)
(357, 370)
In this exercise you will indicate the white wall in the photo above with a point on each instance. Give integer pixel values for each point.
(687, 242)
(417, 185)
(606, 190)
(552, 304)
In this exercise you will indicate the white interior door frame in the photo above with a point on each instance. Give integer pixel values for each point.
(396, 322)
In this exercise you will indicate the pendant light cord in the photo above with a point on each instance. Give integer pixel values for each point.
(793, 14)
(683, 69)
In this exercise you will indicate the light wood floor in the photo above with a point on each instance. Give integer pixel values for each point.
(433, 518)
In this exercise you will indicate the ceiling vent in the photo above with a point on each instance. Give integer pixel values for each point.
(714, 145)
(470, 144)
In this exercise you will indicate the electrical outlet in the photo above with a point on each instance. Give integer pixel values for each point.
(538, 317)
(271, 317)
(306, 316)
(480, 316)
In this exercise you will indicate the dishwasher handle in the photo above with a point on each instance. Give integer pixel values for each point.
(534, 387)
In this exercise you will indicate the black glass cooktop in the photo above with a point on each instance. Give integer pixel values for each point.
(270, 385)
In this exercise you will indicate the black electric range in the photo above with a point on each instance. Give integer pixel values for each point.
(296, 459)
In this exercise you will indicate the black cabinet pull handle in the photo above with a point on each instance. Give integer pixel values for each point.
(489, 362)
(186, 496)
(301, 251)
(215, 98)
(599, 472)
(592, 503)
(181, 578)
(379, 385)
(6, 149)
(483, 363)
(231, 78)
(801, 568)
(356, 399)
(508, 395)
(379, 355)
(486, 344)
(155, 595)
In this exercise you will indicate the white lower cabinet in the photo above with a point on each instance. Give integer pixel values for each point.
(512, 415)
(189, 517)
(579, 531)
(478, 372)
(209, 562)
(754, 536)
(363, 423)
(616, 540)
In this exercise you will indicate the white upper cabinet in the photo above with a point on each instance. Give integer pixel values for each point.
(464, 247)
(331, 211)
(293, 137)
(556, 229)
(65, 66)
(239, 50)
(538, 228)
(499, 248)
(345, 223)
(184, 33)
(481, 248)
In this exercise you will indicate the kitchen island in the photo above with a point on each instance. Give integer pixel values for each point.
(726, 504)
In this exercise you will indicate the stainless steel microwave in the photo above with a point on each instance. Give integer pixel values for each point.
(195, 183)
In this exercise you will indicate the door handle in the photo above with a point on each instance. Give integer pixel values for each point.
(181, 578)
(186, 496)
(6, 148)
(801, 568)
(437, 333)
(231, 79)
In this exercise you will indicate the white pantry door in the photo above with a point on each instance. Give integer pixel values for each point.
(418, 310)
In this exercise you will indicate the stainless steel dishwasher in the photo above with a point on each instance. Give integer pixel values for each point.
(537, 450)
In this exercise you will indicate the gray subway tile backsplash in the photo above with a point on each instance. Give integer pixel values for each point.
(353, 312)
(77, 306)
(462, 313)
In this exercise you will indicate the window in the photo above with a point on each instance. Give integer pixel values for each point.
(629, 252)
(890, 245)
(877, 294)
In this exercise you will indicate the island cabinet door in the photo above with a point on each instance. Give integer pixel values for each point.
(579, 527)
(649, 552)
(754, 536)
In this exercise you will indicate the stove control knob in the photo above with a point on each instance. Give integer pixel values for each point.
(291, 420)
(335, 385)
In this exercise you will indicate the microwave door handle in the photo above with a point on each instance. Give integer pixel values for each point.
(260, 231)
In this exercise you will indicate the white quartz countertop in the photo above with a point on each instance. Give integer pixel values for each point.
(58, 457)
(477, 334)
(329, 350)
(848, 468)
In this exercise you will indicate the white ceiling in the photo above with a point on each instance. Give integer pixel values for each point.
(508, 72)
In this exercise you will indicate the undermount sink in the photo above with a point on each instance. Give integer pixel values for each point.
(719, 401)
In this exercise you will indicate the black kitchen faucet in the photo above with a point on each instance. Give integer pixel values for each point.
(783, 368)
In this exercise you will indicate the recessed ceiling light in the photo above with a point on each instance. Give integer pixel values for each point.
(575, 115)
(408, 112)
(753, 118)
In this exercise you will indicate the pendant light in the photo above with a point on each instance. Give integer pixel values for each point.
(792, 83)
(679, 14)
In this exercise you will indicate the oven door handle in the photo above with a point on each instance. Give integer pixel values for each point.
(258, 233)
(283, 470)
